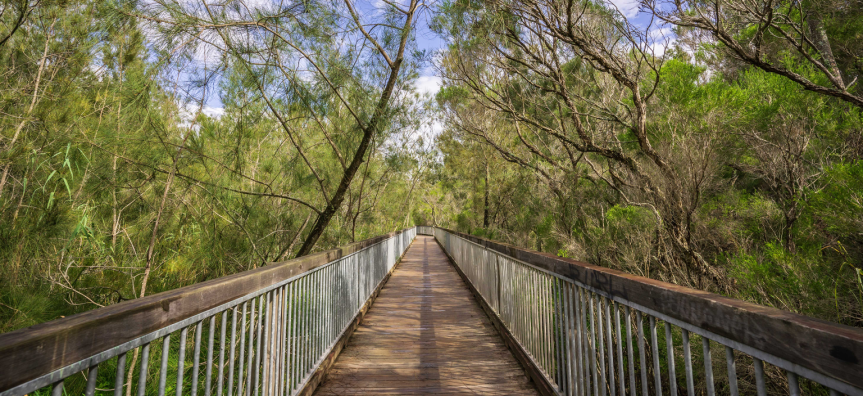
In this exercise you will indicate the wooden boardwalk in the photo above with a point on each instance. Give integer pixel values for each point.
(425, 334)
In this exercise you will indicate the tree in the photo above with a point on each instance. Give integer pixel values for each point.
(780, 36)
(315, 66)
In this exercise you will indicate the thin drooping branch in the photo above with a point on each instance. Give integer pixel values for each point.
(368, 131)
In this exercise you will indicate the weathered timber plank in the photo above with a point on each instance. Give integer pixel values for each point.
(426, 335)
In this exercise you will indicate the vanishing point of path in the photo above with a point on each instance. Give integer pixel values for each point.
(425, 334)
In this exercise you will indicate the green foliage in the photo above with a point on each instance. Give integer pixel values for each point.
(112, 156)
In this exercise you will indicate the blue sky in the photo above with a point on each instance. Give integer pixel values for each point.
(429, 82)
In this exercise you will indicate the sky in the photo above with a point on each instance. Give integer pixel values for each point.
(429, 82)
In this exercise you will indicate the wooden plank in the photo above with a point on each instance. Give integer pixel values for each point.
(426, 335)
(828, 348)
(34, 351)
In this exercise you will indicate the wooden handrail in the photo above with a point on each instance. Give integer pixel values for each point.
(827, 348)
(32, 352)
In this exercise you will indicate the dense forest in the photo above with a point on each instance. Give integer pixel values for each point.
(150, 145)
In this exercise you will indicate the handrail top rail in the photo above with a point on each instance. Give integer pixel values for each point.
(832, 349)
(36, 350)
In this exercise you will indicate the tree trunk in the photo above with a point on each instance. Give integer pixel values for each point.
(368, 132)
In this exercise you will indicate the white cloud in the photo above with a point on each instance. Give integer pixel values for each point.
(190, 110)
(660, 33)
(428, 85)
(213, 112)
(629, 8)
(661, 39)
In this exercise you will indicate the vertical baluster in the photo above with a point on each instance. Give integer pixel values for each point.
(597, 382)
(529, 314)
(271, 344)
(518, 294)
(255, 384)
(142, 371)
(525, 311)
(319, 326)
(335, 327)
(521, 295)
(759, 377)
(557, 332)
(793, 385)
(621, 374)
(292, 339)
(536, 313)
(246, 386)
(163, 372)
(732, 370)
(654, 345)
(687, 362)
(283, 333)
(234, 313)
(331, 295)
(539, 318)
(610, 344)
(642, 354)
(581, 351)
(118, 379)
(325, 306)
(272, 372)
(241, 382)
(92, 375)
(600, 346)
(57, 387)
(196, 357)
(280, 344)
(672, 375)
(312, 320)
(301, 331)
(548, 296)
(563, 334)
(708, 366)
(541, 341)
(322, 313)
(221, 375)
(266, 328)
(250, 347)
(630, 353)
(542, 318)
(181, 361)
(570, 334)
(308, 321)
(535, 319)
(272, 352)
(315, 315)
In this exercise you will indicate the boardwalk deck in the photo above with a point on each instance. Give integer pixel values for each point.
(425, 334)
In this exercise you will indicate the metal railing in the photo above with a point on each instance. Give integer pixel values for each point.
(267, 342)
(584, 328)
